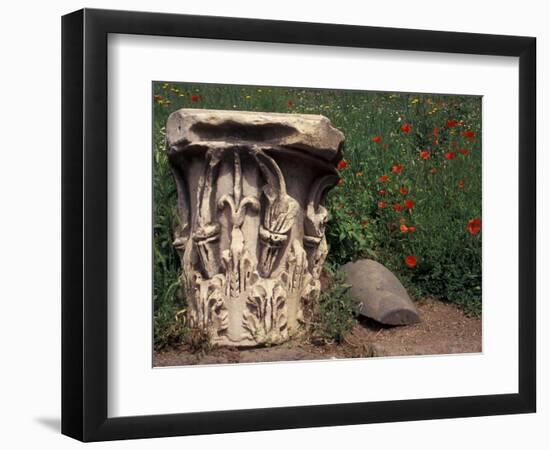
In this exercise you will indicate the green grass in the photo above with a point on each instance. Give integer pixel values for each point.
(334, 315)
(445, 193)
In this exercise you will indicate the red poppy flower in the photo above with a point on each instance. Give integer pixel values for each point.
(405, 128)
(461, 184)
(408, 204)
(383, 178)
(463, 151)
(376, 139)
(403, 228)
(195, 98)
(410, 262)
(433, 170)
(340, 181)
(474, 226)
(468, 134)
(397, 207)
(449, 155)
(403, 190)
(382, 192)
(290, 103)
(451, 123)
(424, 154)
(381, 205)
(342, 164)
(397, 168)
(365, 222)
(412, 229)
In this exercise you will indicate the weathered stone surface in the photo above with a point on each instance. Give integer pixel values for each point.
(379, 294)
(250, 227)
(309, 133)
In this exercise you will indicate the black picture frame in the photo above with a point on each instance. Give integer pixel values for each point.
(84, 224)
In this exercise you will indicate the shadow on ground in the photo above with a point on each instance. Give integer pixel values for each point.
(52, 423)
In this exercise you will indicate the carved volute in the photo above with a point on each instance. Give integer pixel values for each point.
(250, 225)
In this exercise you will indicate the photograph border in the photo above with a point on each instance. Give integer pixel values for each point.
(85, 236)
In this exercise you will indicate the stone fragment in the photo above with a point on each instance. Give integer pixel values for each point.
(378, 293)
(250, 227)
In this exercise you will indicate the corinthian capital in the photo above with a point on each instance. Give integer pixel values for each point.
(250, 187)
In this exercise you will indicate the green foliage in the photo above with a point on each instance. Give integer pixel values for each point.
(446, 193)
(167, 298)
(335, 315)
(444, 188)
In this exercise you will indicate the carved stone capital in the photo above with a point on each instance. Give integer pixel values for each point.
(250, 225)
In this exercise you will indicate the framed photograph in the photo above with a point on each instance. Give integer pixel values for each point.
(273, 225)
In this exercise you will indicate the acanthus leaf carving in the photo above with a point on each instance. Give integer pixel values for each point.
(237, 260)
(314, 224)
(207, 230)
(265, 315)
(296, 266)
(209, 311)
(279, 215)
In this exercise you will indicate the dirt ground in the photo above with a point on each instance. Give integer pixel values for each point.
(444, 329)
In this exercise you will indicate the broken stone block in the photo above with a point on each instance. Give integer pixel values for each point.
(378, 294)
(250, 227)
